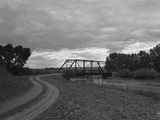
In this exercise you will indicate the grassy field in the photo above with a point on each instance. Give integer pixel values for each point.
(85, 101)
(14, 87)
(11, 86)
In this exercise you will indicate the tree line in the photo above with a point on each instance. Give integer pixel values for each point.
(132, 62)
(14, 57)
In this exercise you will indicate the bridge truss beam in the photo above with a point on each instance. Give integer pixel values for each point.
(82, 66)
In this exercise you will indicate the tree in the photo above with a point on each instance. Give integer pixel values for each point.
(155, 57)
(132, 62)
(21, 55)
(144, 60)
(119, 61)
(108, 65)
(111, 62)
(14, 57)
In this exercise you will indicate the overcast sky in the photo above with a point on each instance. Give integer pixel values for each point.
(88, 29)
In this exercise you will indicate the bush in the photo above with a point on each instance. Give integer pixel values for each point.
(66, 76)
(145, 74)
(106, 75)
(124, 73)
(72, 74)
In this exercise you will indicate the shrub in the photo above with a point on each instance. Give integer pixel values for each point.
(67, 75)
(106, 75)
(145, 74)
(72, 74)
(124, 73)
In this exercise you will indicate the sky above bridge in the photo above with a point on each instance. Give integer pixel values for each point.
(88, 29)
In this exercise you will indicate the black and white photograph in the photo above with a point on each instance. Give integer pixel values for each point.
(79, 60)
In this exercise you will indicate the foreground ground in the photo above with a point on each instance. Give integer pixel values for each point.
(85, 101)
(13, 87)
(31, 104)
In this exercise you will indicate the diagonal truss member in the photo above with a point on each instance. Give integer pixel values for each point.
(83, 66)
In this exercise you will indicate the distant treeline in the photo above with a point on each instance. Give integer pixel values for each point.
(118, 62)
(143, 59)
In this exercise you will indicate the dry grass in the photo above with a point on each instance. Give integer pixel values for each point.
(11, 86)
(85, 101)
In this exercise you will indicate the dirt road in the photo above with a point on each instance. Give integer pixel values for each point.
(32, 112)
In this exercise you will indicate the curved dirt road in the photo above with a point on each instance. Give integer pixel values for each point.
(32, 112)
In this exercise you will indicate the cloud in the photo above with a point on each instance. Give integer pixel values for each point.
(138, 46)
(138, 33)
(108, 29)
(145, 5)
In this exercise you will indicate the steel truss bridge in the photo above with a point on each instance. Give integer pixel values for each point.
(83, 67)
